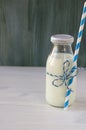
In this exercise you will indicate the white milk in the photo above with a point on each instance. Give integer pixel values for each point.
(56, 95)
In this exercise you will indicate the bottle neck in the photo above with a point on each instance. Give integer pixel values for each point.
(62, 49)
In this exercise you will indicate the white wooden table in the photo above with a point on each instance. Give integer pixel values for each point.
(23, 105)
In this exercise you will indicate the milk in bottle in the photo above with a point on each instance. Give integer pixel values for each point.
(59, 61)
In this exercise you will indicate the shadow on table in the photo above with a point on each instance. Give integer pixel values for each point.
(80, 105)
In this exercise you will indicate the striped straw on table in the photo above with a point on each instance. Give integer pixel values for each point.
(75, 57)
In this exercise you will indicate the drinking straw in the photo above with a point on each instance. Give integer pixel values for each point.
(75, 57)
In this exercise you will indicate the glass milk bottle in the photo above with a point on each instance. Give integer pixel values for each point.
(59, 62)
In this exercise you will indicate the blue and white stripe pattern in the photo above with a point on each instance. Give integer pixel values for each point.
(75, 58)
(80, 33)
(66, 104)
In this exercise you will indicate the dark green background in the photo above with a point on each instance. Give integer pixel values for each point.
(26, 27)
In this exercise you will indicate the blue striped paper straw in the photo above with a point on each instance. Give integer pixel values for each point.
(75, 57)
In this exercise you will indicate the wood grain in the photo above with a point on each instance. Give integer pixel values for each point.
(23, 105)
(26, 27)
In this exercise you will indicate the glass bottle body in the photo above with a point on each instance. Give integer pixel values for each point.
(59, 61)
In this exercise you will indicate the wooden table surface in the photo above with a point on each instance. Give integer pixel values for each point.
(23, 105)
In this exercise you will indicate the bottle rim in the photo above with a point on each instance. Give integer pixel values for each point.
(62, 39)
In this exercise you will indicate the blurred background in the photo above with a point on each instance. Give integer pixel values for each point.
(26, 27)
